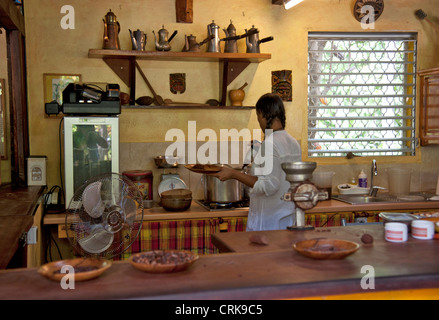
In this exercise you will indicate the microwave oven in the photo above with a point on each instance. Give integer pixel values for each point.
(91, 148)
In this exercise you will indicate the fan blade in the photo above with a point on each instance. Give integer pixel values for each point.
(99, 241)
(130, 209)
(91, 198)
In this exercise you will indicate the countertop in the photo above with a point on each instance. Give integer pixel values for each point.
(254, 272)
(327, 206)
(16, 217)
(158, 213)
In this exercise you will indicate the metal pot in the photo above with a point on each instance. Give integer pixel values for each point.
(219, 191)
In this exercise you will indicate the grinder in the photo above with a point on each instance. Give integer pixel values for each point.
(302, 192)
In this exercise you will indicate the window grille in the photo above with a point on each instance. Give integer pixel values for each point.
(361, 94)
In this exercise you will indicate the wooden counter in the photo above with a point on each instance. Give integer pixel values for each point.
(274, 272)
(328, 206)
(334, 206)
(158, 213)
(17, 206)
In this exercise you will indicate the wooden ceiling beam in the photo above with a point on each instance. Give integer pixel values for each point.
(10, 17)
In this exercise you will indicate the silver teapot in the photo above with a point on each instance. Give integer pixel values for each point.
(163, 43)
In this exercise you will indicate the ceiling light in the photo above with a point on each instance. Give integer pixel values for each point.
(288, 4)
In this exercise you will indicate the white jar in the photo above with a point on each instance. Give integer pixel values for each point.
(422, 229)
(395, 232)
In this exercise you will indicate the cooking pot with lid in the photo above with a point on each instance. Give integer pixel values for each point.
(218, 191)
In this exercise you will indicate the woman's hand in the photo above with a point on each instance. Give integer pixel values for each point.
(225, 173)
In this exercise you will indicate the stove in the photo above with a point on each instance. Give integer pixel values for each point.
(214, 206)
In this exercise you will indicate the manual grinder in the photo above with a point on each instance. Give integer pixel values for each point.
(302, 192)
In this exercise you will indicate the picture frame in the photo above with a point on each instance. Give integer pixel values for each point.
(55, 83)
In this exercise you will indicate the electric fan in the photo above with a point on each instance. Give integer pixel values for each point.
(104, 216)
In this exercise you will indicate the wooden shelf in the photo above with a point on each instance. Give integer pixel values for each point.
(178, 56)
(123, 63)
(182, 107)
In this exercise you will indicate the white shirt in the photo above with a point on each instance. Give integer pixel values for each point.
(267, 211)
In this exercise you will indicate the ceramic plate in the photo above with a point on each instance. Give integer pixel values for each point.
(85, 268)
(163, 261)
(322, 248)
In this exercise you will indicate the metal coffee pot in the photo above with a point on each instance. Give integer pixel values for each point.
(162, 43)
(214, 44)
(231, 45)
(191, 44)
(138, 40)
(252, 41)
(111, 31)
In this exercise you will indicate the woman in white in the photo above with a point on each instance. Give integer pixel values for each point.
(267, 179)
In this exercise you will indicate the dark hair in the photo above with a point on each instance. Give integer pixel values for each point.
(271, 106)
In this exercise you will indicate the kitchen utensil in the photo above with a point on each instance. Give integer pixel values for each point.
(218, 191)
(170, 184)
(400, 217)
(213, 32)
(322, 248)
(237, 96)
(231, 44)
(191, 44)
(203, 168)
(138, 40)
(158, 99)
(144, 101)
(176, 194)
(252, 41)
(176, 199)
(302, 192)
(163, 42)
(176, 205)
(163, 261)
(85, 268)
(111, 31)
(231, 38)
(166, 162)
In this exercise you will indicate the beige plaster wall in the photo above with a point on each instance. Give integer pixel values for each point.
(50, 49)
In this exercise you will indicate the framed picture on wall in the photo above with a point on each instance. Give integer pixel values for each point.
(55, 83)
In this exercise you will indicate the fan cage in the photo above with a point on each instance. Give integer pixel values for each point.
(115, 190)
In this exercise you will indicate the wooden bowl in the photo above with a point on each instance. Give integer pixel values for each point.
(322, 248)
(163, 261)
(85, 268)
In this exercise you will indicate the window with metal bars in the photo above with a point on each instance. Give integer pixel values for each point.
(361, 94)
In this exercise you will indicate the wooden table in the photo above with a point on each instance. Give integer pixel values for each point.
(272, 272)
(17, 206)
